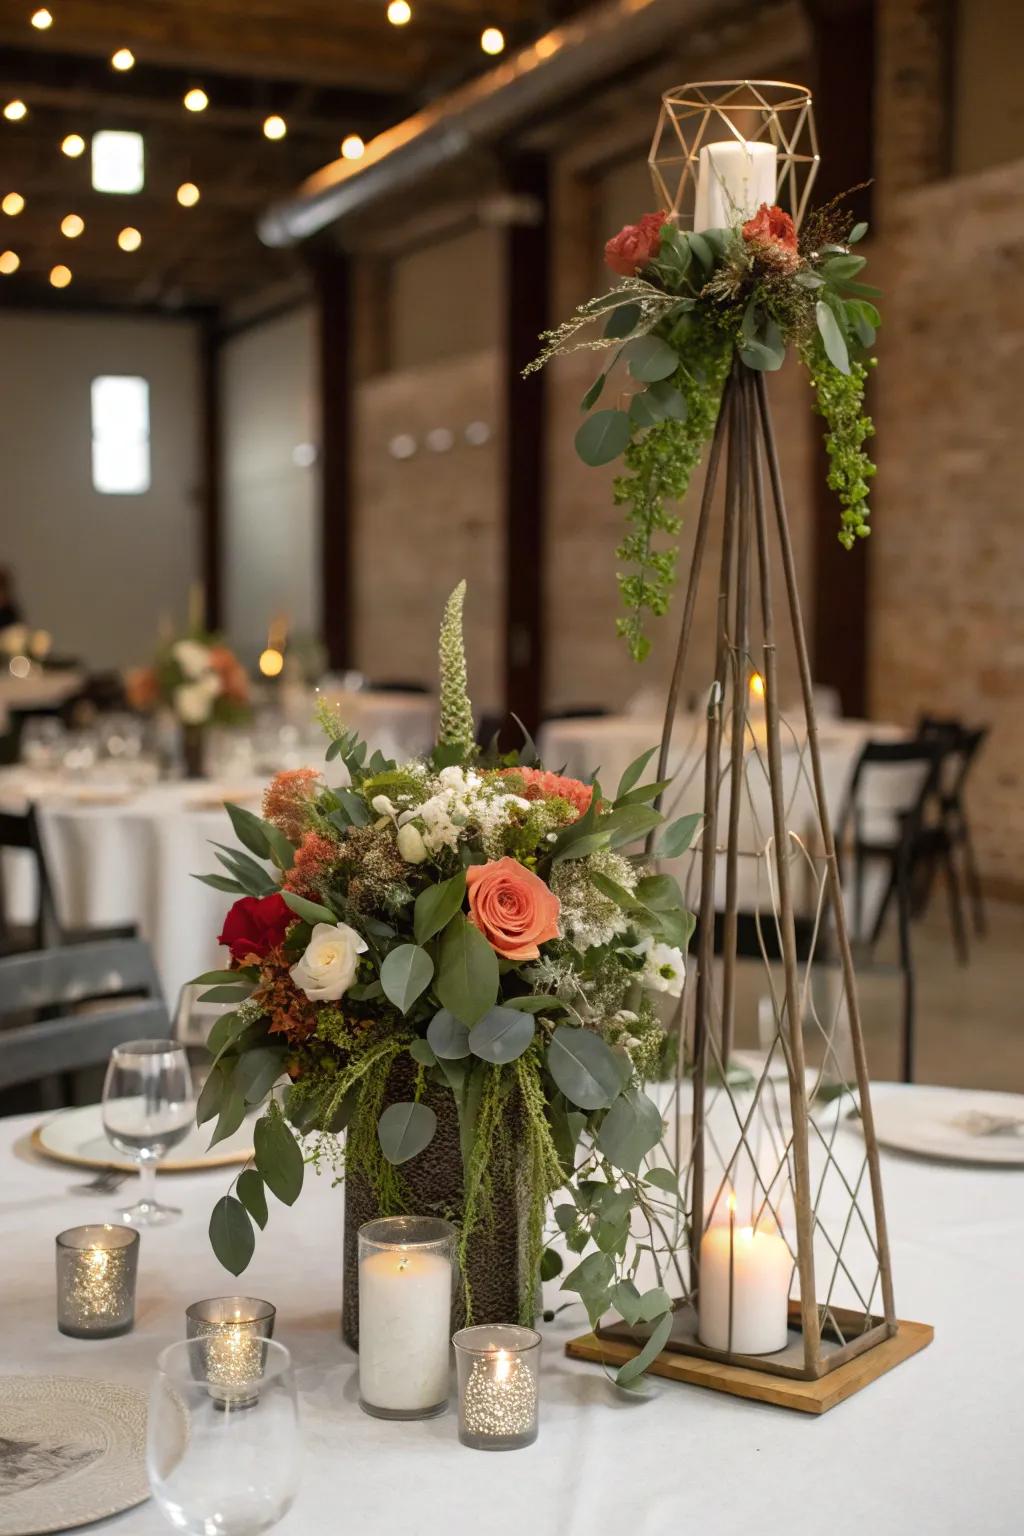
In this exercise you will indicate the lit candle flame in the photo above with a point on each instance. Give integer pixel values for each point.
(756, 685)
(502, 1365)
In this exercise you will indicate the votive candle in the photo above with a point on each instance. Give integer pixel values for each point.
(405, 1302)
(96, 1271)
(233, 1327)
(499, 1386)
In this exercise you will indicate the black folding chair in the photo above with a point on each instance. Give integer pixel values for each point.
(896, 845)
(951, 830)
(64, 1010)
(20, 831)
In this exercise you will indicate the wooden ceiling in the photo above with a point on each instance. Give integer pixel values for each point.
(329, 67)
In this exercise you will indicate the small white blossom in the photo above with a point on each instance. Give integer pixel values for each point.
(664, 967)
(411, 845)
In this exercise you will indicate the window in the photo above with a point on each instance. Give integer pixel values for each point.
(120, 435)
(118, 161)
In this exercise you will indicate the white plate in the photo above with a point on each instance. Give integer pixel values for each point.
(77, 1136)
(945, 1123)
(71, 1451)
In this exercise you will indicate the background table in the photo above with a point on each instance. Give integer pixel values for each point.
(934, 1447)
(40, 690)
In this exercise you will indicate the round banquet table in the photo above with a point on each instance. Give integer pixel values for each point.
(934, 1446)
(119, 855)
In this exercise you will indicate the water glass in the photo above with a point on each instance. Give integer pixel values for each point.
(223, 1464)
(148, 1108)
(42, 742)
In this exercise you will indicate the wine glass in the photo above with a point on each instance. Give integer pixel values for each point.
(148, 1108)
(223, 1444)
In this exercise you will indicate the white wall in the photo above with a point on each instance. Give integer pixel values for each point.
(97, 571)
(268, 408)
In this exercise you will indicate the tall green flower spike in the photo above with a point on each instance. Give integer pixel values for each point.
(456, 723)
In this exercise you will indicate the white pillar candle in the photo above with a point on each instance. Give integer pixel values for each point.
(405, 1303)
(745, 1274)
(733, 179)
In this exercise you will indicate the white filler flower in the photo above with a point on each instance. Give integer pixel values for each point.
(328, 967)
(192, 656)
(664, 967)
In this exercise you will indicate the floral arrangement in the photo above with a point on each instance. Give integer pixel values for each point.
(485, 921)
(198, 678)
(688, 303)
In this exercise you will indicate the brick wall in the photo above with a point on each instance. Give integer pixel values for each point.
(947, 630)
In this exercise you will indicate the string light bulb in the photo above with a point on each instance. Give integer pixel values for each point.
(123, 59)
(73, 145)
(12, 204)
(42, 19)
(492, 40)
(129, 239)
(399, 12)
(60, 276)
(15, 110)
(187, 194)
(274, 127)
(72, 225)
(10, 261)
(352, 147)
(196, 100)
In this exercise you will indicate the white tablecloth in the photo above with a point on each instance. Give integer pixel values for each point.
(933, 1447)
(129, 859)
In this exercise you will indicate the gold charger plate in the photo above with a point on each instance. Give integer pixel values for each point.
(76, 1136)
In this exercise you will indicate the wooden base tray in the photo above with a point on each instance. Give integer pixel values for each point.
(761, 1386)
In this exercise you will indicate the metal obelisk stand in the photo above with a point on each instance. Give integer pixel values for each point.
(823, 1337)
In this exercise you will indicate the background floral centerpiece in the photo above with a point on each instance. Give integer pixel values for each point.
(458, 962)
(200, 681)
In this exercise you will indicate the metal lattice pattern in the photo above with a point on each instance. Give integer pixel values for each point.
(772, 1139)
(752, 111)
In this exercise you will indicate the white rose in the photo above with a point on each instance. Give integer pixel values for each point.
(411, 845)
(664, 968)
(328, 967)
(192, 657)
(192, 703)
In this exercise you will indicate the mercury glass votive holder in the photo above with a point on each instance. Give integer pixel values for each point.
(499, 1386)
(96, 1270)
(232, 1359)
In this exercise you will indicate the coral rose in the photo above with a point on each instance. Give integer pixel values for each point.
(512, 907)
(142, 687)
(255, 925)
(773, 230)
(634, 245)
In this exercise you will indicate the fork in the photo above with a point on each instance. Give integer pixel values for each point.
(103, 1184)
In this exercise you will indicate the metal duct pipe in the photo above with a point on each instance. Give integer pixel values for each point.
(565, 61)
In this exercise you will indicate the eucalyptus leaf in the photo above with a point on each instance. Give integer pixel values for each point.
(670, 402)
(663, 1178)
(222, 883)
(625, 1298)
(403, 1130)
(832, 337)
(703, 251)
(629, 823)
(224, 995)
(211, 1096)
(253, 1195)
(405, 974)
(857, 233)
(629, 1130)
(585, 1068)
(839, 269)
(420, 1051)
(447, 1036)
(623, 319)
(231, 1115)
(502, 1035)
(257, 1072)
(436, 906)
(660, 892)
(256, 880)
(231, 1235)
(278, 1157)
(356, 808)
(550, 1264)
(602, 437)
(595, 1272)
(651, 359)
(594, 393)
(629, 1372)
(535, 1004)
(227, 978)
(653, 1303)
(249, 829)
(467, 972)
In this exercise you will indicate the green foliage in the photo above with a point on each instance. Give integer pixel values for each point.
(231, 1235)
(839, 398)
(404, 1130)
(455, 728)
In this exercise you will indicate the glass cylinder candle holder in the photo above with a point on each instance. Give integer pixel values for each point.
(405, 1302)
(233, 1327)
(96, 1270)
(499, 1386)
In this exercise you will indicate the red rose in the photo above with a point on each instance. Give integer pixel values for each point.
(635, 245)
(772, 227)
(255, 925)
